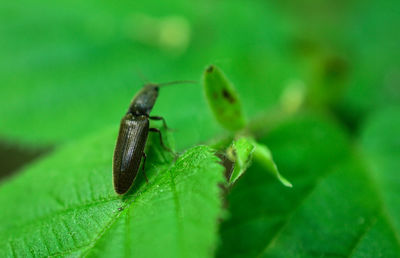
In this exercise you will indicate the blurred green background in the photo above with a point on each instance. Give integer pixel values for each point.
(69, 69)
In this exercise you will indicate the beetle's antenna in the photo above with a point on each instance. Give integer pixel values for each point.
(142, 77)
(176, 82)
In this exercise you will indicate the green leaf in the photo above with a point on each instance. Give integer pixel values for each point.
(337, 208)
(242, 152)
(223, 99)
(264, 156)
(380, 144)
(65, 205)
(305, 148)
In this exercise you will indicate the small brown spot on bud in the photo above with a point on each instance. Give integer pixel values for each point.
(227, 95)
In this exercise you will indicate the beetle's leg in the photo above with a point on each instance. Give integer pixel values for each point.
(155, 130)
(160, 118)
(144, 163)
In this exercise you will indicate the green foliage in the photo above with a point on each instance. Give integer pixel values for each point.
(318, 84)
(223, 99)
(243, 150)
(77, 63)
(337, 207)
(241, 153)
(380, 147)
(227, 109)
(66, 205)
(263, 155)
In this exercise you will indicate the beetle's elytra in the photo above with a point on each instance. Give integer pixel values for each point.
(132, 137)
(129, 151)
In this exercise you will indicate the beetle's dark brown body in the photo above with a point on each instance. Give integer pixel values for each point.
(128, 152)
(132, 137)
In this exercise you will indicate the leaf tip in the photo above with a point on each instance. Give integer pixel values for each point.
(285, 182)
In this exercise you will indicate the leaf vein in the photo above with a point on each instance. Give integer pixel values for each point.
(70, 233)
(44, 242)
(12, 249)
(61, 212)
(362, 235)
(291, 214)
(177, 210)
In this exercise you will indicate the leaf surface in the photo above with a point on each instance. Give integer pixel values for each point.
(66, 205)
(336, 207)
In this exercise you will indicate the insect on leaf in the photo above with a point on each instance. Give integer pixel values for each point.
(65, 205)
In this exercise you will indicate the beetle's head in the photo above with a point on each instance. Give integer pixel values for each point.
(143, 102)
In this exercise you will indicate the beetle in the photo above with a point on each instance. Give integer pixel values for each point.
(132, 137)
